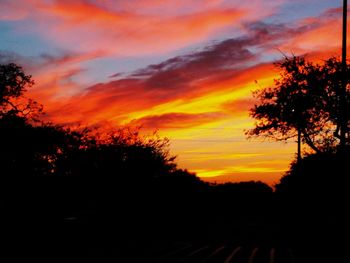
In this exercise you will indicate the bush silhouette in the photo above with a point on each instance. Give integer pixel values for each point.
(323, 174)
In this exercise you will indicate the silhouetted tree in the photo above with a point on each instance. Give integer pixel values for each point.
(318, 175)
(33, 150)
(305, 101)
(13, 84)
(121, 155)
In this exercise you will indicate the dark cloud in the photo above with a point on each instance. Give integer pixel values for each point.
(269, 35)
(27, 63)
(46, 61)
(187, 75)
(183, 77)
(9, 57)
(116, 75)
(68, 57)
(232, 61)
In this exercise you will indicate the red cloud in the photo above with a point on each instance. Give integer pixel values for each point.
(224, 65)
(90, 26)
(176, 120)
(132, 28)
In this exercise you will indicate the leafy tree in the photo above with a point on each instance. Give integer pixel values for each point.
(121, 155)
(46, 149)
(304, 101)
(33, 150)
(13, 84)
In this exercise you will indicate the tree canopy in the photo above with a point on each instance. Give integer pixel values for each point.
(13, 84)
(305, 99)
(44, 149)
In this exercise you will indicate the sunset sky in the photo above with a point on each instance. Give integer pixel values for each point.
(184, 67)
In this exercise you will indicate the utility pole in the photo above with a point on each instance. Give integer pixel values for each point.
(343, 116)
(345, 15)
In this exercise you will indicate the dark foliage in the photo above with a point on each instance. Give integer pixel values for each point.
(322, 175)
(306, 99)
(312, 203)
(77, 194)
(62, 184)
(13, 84)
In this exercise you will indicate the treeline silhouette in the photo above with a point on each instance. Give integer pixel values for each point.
(310, 101)
(81, 194)
(87, 194)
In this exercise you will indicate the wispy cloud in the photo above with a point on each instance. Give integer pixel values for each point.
(131, 27)
(222, 65)
(176, 120)
(206, 56)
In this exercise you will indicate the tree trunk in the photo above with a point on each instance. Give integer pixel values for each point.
(309, 142)
(299, 144)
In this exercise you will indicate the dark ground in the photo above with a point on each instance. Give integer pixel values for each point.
(66, 221)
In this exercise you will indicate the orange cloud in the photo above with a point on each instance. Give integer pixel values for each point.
(78, 12)
(117, 99)
(91, 27)
(239, 106)
(318, 34)
(133, 28)
(200, 99)
(216, 68)
(176, 120)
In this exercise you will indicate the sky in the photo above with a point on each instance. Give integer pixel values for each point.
(186, 68)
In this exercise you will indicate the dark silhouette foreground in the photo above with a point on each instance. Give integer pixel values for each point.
(74, 194)
(124, 199)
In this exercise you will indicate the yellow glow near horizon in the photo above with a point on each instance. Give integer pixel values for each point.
(207, 103)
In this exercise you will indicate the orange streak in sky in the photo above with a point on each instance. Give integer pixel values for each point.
(206, 119)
